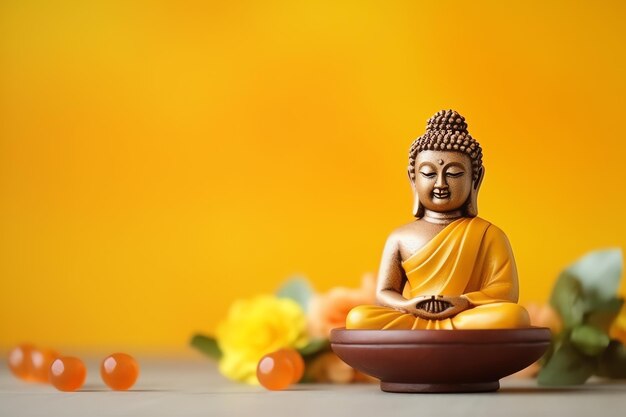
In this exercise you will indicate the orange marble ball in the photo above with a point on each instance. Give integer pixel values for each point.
(275, 371)
(40, 361)
(30, 363)
(297, 362)
(20, 361)
(119, 371)
(67, 373)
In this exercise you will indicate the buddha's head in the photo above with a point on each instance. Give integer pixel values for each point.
(445, 166)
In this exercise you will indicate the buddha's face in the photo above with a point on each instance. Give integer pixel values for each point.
(443, 179)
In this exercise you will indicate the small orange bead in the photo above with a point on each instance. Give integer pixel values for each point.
(119, 371)
(20, 361)
(40, 361)
(297, 362)
(67, 373)
(275, 371)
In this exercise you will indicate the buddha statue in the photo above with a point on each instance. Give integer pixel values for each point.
(448, 269)
(447, 318)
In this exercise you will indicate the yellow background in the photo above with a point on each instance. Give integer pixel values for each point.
(160, 159)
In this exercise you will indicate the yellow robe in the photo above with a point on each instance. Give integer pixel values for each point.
(469, 257)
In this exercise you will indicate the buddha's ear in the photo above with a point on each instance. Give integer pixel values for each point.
(418, 210)
(472, 202)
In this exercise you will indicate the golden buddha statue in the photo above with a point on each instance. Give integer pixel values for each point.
(448, 269)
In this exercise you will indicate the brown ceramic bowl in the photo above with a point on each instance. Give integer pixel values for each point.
(440, 360)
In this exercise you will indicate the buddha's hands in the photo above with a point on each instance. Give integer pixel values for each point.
(438, 307)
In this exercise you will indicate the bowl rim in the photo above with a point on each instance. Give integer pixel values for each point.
(345, 336)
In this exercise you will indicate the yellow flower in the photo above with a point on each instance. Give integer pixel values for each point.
(254, 328)
(618, 328)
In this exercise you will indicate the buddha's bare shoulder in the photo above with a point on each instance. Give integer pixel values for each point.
(407, 230)
(409, 237)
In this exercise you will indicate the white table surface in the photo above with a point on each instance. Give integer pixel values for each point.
(195, 388)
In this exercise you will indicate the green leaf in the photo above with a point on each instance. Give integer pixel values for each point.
(613, 361)
(589, 340)
(545, 358)
(566, 366)
(207, 345)
(599, 273)
(314, 346)
(567, 299)
(557, 340)
(603, 315)
(298, 289)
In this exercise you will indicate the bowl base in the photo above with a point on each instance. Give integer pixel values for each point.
(439, 388)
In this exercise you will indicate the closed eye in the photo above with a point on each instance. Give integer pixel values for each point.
(455, 174)
(428, 174)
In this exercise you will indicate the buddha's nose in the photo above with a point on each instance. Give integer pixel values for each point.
(441, 182)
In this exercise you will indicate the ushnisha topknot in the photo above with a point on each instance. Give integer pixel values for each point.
(447, 120)
(447, 131)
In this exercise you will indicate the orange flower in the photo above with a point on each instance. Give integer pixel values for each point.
(328, 368)
(329, 310)
(543, 315)
(530, 371)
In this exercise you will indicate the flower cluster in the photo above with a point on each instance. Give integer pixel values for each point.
(295, 317)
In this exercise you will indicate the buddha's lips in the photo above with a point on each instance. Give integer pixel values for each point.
(442, 195)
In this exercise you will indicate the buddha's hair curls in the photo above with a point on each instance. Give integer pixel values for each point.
(447, 131)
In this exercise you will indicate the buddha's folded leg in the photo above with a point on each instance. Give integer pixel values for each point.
(373, 317)
(492, 316)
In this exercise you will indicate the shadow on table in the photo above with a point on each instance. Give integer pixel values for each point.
(98, 388)
(579, 389)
